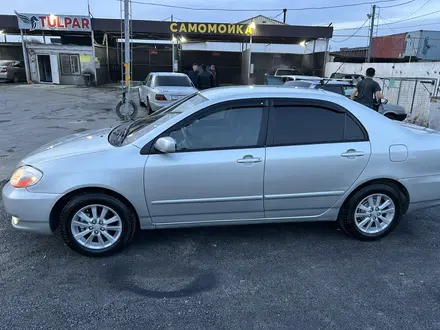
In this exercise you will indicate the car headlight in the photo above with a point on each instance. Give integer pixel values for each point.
(25, 176)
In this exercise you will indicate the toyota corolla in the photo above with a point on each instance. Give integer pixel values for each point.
(227, 156)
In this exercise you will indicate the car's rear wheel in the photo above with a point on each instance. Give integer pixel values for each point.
(15, 79)
(96, 224)
(149, 110)
(372, 212)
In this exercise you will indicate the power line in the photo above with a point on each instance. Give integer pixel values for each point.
(353, 33)
(278, 15)
(260, 9)
(400, 4)
(415, 11)
(396, 22)
(387, 24)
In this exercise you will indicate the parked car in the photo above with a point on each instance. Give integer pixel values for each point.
(12, 71)
(392, 111)
(347, 76)
(162, 88)
(280, 80)
(223, 156)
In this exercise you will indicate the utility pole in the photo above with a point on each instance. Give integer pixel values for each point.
(172, 49)
(126, 53)
(370, 44)
(284, 15)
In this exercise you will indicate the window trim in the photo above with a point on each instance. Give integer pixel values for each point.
(313, 103)
(242, 103)
(70, 64)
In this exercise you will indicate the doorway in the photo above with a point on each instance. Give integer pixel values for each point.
(44, 68)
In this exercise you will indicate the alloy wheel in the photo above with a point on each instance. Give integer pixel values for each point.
(96, 227)
(374, 214)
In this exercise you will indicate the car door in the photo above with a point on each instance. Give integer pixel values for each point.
(144, 88)
(216, 173)
(315, 152)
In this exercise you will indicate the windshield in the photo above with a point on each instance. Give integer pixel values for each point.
(172, 81)
(5, 63)
(142, 126)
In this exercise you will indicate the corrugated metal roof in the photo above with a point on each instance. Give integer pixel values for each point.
(261, 19)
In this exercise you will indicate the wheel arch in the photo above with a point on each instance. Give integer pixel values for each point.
(392, 182)
(59, 205)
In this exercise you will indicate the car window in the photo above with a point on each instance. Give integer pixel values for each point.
(298, 83)
(183, 81)
(348, 90)
(226, 128)
(331, 88)
(149, 77)
(303, 124)
(18, 65)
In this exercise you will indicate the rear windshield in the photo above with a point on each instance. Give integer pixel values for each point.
(5, 63)
(287, 72)
(172, 81)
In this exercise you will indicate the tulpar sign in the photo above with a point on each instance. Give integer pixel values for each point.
(53, 22)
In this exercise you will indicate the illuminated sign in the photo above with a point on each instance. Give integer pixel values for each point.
(211, 28)
(51, 22)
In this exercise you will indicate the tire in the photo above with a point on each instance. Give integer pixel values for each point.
(125, 224)
(349, 223)
(131, 116)
(391, 116)
(141, 103)
(15, 79)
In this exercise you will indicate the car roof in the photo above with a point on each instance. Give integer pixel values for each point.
(238, 92)
(169, 74)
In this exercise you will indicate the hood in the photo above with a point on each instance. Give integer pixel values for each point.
(76, 144)
(176, 90)
(418, 129)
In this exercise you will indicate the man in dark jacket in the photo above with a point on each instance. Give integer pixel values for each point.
(193, 74)
(205, 79)
(368, 91)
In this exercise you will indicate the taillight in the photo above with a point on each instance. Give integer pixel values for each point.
(4, 69)
(160, 97)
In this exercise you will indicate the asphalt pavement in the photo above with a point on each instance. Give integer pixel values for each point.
(283, 276)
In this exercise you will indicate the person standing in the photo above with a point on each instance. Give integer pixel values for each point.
(193, 74)
(368, 91)
(205, 79)
(214, 72)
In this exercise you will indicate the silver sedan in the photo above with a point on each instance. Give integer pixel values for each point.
(226, 156)
(162, 88)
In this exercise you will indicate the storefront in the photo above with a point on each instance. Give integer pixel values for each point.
(59, 64)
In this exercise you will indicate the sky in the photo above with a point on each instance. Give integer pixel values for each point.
(341, 18)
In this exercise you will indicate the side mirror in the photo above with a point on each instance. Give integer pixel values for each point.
(166, 145)
(384, 101)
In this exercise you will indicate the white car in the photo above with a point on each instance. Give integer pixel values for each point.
(162, 88)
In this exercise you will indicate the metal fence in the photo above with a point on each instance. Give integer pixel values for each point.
(414, 94)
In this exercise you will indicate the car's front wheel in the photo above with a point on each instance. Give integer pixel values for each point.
(372, 212)
(96, 224)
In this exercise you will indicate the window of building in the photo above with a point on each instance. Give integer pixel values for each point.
(70, 64)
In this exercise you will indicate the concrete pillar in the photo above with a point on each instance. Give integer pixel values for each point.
(434, 113)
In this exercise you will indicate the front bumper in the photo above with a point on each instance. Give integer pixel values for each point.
(30, 211)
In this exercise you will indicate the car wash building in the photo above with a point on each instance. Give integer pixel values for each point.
(243, 52)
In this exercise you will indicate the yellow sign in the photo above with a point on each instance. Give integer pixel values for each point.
(85, 58)
(211, 28)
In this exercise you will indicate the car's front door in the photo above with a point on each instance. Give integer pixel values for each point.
(315, 152)
(216, 173)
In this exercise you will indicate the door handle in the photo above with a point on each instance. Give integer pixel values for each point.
(352, 153)
(249, 160)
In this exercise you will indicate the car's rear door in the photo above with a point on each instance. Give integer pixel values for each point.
(216, 173)
(315, 152)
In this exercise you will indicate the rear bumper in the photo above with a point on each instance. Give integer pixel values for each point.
(423, 191)
(4, 76)
(30, 211)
